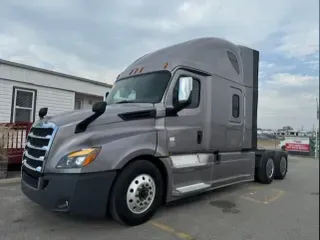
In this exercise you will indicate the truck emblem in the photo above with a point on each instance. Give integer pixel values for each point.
(172, 141)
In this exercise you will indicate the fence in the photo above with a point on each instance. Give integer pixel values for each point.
(303, 146)
(15, 140)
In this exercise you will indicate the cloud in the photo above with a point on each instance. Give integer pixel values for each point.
(288, 99)
(281, 108)
(38, 54)
(98, 39)
(295, 44)
(290, 80)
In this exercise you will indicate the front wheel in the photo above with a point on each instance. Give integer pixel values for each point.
(137, 193)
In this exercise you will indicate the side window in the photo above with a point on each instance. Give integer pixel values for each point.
(235, 106)
(234, 61)
(195, 93)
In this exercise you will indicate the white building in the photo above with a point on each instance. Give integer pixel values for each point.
(25, 89)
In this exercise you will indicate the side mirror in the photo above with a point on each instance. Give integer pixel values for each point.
(43, 112)
(185, 88)
(105, 97)
(99, 107)
(184, 97)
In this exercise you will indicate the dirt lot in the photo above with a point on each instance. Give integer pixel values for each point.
(270, 144)
(287, 209)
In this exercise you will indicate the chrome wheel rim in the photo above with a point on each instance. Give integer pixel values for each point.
(270, 168)
(283, 165)
(141, 193)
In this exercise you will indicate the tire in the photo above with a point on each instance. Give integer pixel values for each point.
(139, 185)
(281, 165)
(264, 174)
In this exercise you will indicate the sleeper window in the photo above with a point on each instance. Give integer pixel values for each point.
(235, 106)
(234, 61)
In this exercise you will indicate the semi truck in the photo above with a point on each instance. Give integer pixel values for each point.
(178, 121)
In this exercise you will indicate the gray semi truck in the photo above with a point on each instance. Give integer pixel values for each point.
(178, 121)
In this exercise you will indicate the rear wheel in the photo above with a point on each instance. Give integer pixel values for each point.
(137, 193)
(281, 165)
(266, 170)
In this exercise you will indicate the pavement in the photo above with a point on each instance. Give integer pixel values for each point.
(285, 209)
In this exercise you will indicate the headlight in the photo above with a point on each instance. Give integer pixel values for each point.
(79, 158)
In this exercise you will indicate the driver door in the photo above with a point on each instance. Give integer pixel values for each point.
(191, 167)
(185, 130)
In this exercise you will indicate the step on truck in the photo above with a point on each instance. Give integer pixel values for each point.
(178, 121)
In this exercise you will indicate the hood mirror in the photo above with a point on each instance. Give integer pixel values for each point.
(99, 107)
(43, 112)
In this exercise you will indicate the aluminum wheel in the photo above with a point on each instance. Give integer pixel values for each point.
(270, 168)
(141, 193)
(283, 165)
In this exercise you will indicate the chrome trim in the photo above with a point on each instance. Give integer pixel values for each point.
(191, 160)
(39, 137)
(47, 148)
(38, 169)
(193, 187)
(29, 145)
(33, 158)
(55, 129)
(44, 125)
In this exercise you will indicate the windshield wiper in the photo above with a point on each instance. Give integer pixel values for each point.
(125, 101)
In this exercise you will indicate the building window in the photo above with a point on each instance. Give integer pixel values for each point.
(23, 106)
(235, 105)
(77, 104)
(234, 61)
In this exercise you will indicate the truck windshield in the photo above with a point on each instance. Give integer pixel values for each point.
(146, 88)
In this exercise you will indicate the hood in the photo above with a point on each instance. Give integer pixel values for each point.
(109, 116)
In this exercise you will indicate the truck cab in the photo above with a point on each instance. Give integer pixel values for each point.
(178, 121)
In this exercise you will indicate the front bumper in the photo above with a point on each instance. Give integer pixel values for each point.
(81, 194)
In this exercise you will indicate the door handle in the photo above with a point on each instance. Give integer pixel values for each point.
(216, 157)
(199, 137)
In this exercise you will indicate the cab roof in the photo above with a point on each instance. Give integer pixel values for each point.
(209, 55)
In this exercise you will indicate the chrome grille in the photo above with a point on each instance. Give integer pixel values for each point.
(38, 144)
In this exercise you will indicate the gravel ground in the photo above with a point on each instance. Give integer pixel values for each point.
(287, 209)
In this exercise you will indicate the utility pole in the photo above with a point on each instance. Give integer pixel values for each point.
(317, 128)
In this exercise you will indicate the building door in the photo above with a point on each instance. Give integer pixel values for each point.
(78, 104)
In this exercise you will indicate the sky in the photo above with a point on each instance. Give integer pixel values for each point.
(98, 39)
